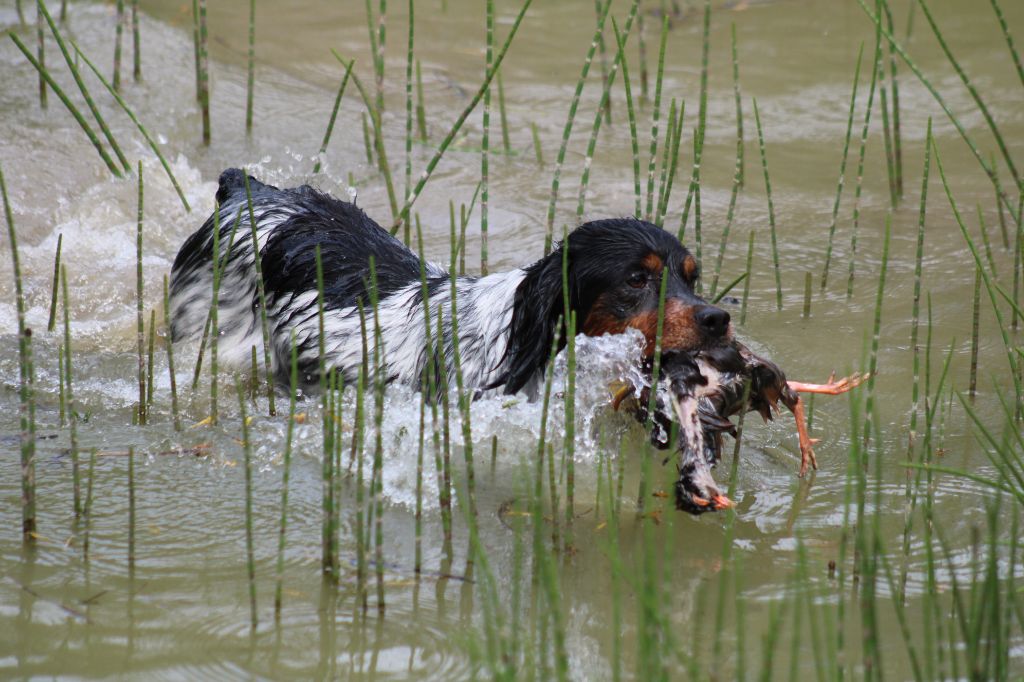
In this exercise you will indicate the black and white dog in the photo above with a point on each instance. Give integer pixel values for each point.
(506, 322)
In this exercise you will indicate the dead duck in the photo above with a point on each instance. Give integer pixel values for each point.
(706, 388)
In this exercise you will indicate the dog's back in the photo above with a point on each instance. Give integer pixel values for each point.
(290, 224)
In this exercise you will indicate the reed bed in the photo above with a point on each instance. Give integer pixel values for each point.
(862, 619)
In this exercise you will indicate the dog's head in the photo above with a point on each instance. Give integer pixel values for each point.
(614, 273)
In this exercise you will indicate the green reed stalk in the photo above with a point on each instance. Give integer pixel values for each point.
(204, 73)
(464, 398)
(136, 42)
(653, 156)
(21, 12)
(989, 170)
(986, 243)
(117, 44)
(771, 208)
(367, 144)
(218, 272)
(329, 558)
(357, 453)
(149, 360)
(408, 107)
(912, 491)
(382, 15)
(606, 106)
(485, 143)
(421, 112)
(645, 472)
(807, 295)
(746, 281)
(989, 285)
(737, 182)
(26, 388)
(693, 194)
(131, 511)
(169, 347)
(378, 142)
(431, 383)
(51, 324)
(842, 170)
(286, 471)
(145, 134)
(334, 116)
(1018, 256)
(251, 68)
(729, 287)
(72, 109)
(890, 161)
(250, 552)
(569, 447)
(378, 419)
(671, 160)
(87, 506)
(215, 267)
(630, 113)
(418, 562)
(537, 151)
(739, 104)
(139, 318)
(70, 395)
(506, 145)
(869, 409)
(556, 542)
(60, 385)
(860, 159)
(41, 54)
(1002, 213)
(268, 366)
(598, 115)
(567, 130)
(1009, 39)
(975, 318)
(893, 77)
(195, 49)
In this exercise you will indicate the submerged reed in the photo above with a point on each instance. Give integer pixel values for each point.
(139, 318)
(169, 347)
(268, 366)
(51, 323)
(25, 385)
(251, 68)
(250, 557)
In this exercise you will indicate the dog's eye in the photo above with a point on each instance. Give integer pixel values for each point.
(637, 280)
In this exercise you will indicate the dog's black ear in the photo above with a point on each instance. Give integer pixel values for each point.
(537, 307)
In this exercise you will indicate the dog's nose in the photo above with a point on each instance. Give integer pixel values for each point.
(712, 321)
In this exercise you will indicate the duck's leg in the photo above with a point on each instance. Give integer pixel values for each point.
(796, 406)
(831, 387)
(806, 442)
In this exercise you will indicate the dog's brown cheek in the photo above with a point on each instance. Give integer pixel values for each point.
(680, 332)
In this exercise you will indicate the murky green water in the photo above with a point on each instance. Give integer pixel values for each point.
(184, 611)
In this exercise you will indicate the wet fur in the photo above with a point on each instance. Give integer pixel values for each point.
(507, 321)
